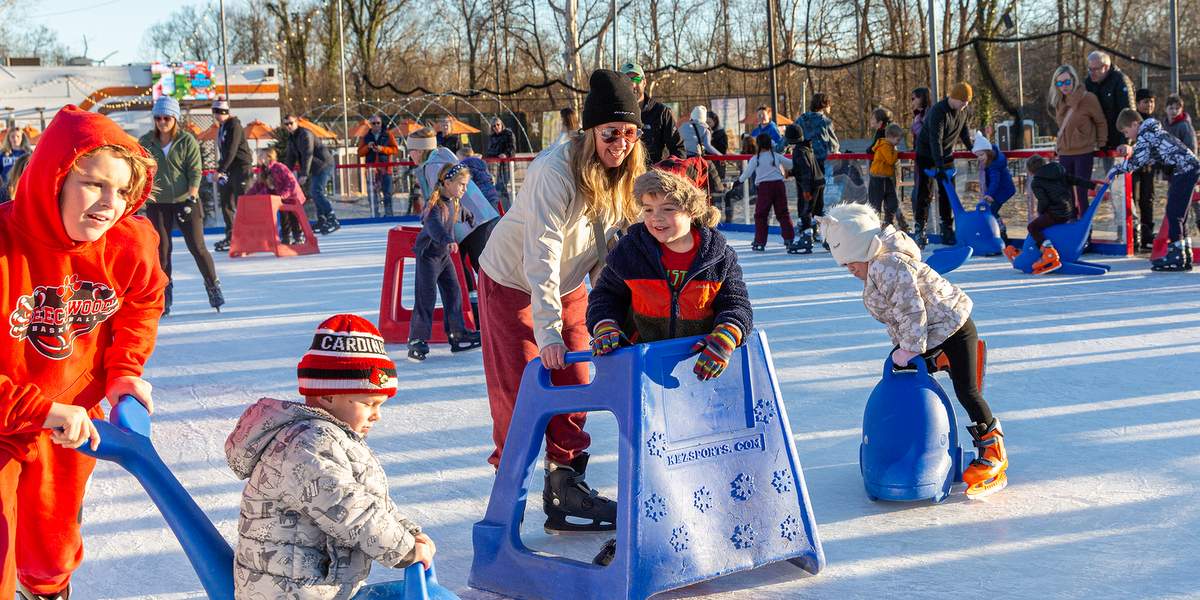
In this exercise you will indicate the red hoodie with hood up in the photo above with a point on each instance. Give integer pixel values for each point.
(75, 314)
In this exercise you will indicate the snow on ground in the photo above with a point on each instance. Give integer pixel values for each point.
(1094, 379)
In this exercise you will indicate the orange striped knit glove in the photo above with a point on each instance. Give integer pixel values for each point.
(715, 350)
(606, 337)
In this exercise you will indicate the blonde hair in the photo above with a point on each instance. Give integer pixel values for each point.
(141, 170)
(1054, 95)
(14, 174)
(6, 146)
(435, 197)
(263, 175)
(607, 193)
(681, 191)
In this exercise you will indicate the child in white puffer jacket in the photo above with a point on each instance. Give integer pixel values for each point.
(315, 512)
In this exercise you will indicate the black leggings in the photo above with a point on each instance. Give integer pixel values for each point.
(962, 349)
(925, 186)
(165, 218)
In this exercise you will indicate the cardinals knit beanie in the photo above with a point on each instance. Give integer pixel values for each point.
(852, 232)
(610, 99)
(347, 356)
(962, 92)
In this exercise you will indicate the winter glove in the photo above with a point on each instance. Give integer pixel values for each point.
(184, 212)
(902, 357)
(715, 350)
(606, 337)
(222, 179)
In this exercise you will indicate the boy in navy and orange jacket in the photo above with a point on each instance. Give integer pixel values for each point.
(671, 276)
(81, 293)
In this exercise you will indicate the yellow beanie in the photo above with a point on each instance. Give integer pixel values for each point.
(962, 92)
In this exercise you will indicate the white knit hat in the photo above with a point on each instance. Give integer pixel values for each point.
(700, 115)
(981, 142)
(852, 232)
(422, 139)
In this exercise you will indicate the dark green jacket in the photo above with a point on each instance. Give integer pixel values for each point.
(178, 171)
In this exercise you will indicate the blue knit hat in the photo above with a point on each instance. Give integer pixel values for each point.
(166, 106)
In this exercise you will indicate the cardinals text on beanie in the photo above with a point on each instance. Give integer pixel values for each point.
(347, 356)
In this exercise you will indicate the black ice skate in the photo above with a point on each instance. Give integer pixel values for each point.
(216, 298)
(1172, 261)
(167, 293)
(417, 350)
(25, 594)
(803, 244)
(222, 245)
(948, 237)
(566, 494)
(919, 236)
(464, 341)
(606, 554)
(758, 247)
(1187, 254)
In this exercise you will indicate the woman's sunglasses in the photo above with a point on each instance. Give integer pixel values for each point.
(610, 134)
(1063, 82)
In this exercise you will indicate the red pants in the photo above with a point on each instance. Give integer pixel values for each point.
(41, 500)
(771, 194)
(508, 346)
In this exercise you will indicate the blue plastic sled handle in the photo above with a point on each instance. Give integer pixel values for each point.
(124, 439)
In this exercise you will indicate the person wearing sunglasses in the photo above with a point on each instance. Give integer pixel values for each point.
(532, 299)
(1082, 128)
(175, 199)
(1114, 90)
(659, 134)
(314, 167)
(234, 164)
(378, 147)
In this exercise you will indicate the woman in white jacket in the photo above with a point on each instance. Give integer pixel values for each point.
(532, 300)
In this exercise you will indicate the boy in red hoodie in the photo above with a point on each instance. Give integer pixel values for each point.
(81, 293)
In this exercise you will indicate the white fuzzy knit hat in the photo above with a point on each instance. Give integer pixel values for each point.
(699, 115)
(852, 232)
(981, 142)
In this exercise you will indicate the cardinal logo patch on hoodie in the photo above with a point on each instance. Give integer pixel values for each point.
(53, 316)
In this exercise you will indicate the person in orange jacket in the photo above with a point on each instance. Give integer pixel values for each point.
(378, 145)
(81, 291)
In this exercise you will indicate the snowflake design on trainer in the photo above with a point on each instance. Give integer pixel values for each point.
(742, 487)
(654, 444)
(656, 508)
(743, 536)
(789, 529)
(764, 411)
(680, 539)
(781, 480)
(702, 499)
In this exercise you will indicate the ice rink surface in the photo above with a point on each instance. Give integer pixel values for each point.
(1095, 380)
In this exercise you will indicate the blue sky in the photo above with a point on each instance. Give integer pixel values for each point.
(110, 25)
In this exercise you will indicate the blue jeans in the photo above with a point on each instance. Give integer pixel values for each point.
(384, 178)
(316, 190)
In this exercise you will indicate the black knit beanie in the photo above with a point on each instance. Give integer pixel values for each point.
(1145, 94)
(610, 99)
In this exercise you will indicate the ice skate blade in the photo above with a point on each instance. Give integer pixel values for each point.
(456, 348)
(571, 529)
(984, 489)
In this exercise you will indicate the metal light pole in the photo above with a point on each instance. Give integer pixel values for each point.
(1013, 20)
(1173, 8)
(496, 59)
(933, 66)
(224, 62)
(613, 11)
(345, 105)
(771, 59)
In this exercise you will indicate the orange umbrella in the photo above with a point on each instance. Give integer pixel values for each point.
(317, 130)
(752, 119)
(458, 127)
(208, 135)
(192, 128)
(257, 130)
(405, 128)
(361, 129)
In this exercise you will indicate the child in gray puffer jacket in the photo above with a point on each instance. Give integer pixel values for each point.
(315, 512)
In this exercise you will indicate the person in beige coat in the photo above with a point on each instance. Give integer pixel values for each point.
(532, 299)
(1082, 128)
(926, 316)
